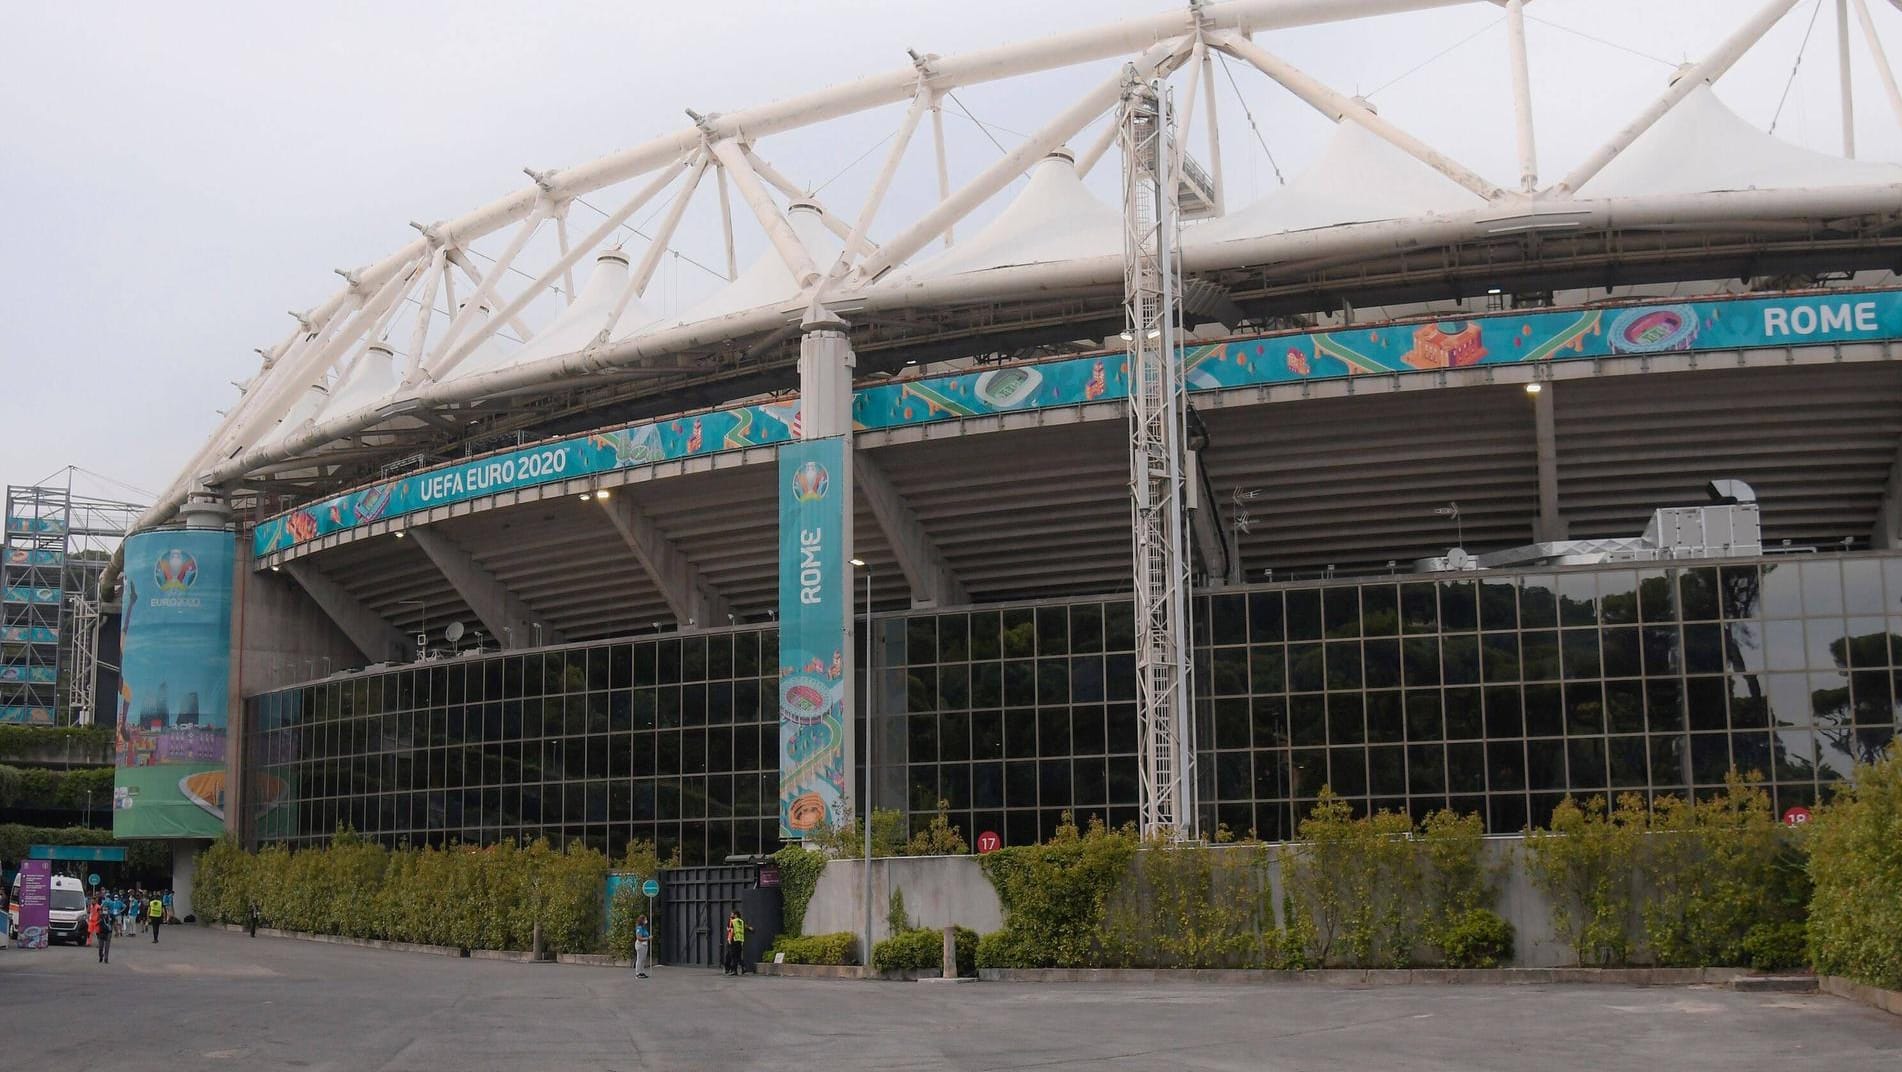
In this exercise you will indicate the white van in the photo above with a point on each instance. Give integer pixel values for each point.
(66, 914)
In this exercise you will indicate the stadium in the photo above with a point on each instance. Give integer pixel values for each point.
(1483, 490)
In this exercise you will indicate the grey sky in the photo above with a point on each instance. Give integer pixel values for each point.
(177, 176)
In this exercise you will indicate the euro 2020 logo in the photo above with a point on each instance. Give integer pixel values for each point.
(175, 571)
(810, 482)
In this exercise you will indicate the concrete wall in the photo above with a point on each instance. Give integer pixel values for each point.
(952, 890)
(283, 635)
(940, 891)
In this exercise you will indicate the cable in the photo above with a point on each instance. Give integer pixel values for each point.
(953, 98)
(1602, 41)
(1800, 49)
(1243, 101)
(814, 192)
(636, 231)
(1437, 55)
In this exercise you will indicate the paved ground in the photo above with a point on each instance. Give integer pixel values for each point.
(205, 999)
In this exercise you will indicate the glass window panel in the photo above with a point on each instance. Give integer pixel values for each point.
(1710, 757)
(1423, 715)
(1053, 630)
(1740, 591)
(1269, 715)
(1088, 734)
(1419, 607)
(1627, 756)
(1506, 764)
(1661, 651)
(1265, 623)
(987, 785)
(1783, 645)
(1381, 663)
(1539, 655)
(1587, 763)
(1579, 653)
(1538, 602)
(1545, 711)
(1308, 769)
(1266, 669)
(1346, 718)
(1420, 660)
(987, 685)
(1578, 595)
(986, 639)
(921, 640)
(1307, 720)
(1657, 598)
(1228, 619)
(1624, 706)
(1230, 666)
(954, 737)
(1347, 771)
(1499, 603)
(1340, 610)
(1304, 614)
(1459, 656)
(1306, 668)
(922, 738)
(1053, 681)
(1822, 587)
(1426, 769)
(1119, 627)
(1505, 713)
(987, 735)
(1459, 606)
(1233, 725)
(1380, 610)
(1704, 649)
(1705, 702)
(1782, 590)
(1386, 717)
(1020, 633)
(1698, 593)
(1343, 664)
(1670, 761)
(1119, 673)
(1749, 704)
(1462, 709)
(1020, 683)
(954, 686)
(1122, 727)
(1618, 597)
(954, 643)
(1020, 734)
(1387, 771)
(1584, 707)
(1466, 768)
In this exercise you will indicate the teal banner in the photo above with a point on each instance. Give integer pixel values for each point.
(49, 526)
(1380, 350)
(28, 634)
(21, 674)
(22, 594)
(815, 607)
(174, 684)
(27, 716)
(21, 556)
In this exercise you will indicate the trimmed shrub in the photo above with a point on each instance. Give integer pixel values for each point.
(799, 869)
(1476, 938)
(1356, 881)
(922, 949)
(623, 912)
(1586, 864)
(1717, 870)
(1000, 949)
(1855, 842)
(1055, 895)
(838, 948)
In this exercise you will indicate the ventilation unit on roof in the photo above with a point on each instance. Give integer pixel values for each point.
(1732, 527)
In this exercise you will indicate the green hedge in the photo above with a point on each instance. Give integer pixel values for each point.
(43, 788)
(799, 869)
(1056, 897)
(145, 859)
(471, 898)
(1855, 925)
(922, 949)
(26, 741)
(841, 947)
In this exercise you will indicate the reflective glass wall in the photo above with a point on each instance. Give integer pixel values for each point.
(1495, 692)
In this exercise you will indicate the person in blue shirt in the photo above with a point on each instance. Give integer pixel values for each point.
(641, 936)
(169, 918)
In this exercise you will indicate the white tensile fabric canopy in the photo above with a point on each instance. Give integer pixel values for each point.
(767, 281)
(1359, 177)
(575, 327)
(1702, 146)
(1054, 218)
(370, 379)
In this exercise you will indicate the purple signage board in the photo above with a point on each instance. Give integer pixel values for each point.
(36, 896)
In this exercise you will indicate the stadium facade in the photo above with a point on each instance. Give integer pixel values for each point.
(1496, 492)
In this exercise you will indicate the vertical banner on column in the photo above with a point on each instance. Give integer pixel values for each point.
(815, 606)
(175, 634)
(36, 897)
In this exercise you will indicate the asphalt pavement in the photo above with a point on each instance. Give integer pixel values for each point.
(204, 999)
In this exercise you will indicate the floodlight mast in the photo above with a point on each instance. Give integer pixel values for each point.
(1152, 286)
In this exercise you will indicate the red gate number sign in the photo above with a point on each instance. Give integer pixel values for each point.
(988, 841)
(1797, 815)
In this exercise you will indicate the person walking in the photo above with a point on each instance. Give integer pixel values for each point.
(155, 913)
(94, 909)
(735, 942)
(641, 937)
(104, 938)
(169, 918)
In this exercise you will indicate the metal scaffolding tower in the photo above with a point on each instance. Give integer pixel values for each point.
(56, 543)
(1152, 291)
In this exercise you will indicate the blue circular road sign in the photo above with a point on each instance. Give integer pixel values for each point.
(651, 887)
(92, 880)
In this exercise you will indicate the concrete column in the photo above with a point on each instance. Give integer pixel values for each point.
(1886, 534)
(184, 874)
(374, 636)
(1549, 525)
(503, 613)
(693, 601)
(826, 364)
(933, 582)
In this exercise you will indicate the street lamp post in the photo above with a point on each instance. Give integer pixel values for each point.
(865, 711)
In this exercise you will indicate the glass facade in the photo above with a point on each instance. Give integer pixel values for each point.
(1496, 692)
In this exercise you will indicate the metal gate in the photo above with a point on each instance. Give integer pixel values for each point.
(693, 913)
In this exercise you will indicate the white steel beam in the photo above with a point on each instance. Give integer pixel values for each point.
(1711, 68)
(1094, 152)
(1340, 107)
(929, 574)
(650, 260)
(1882, 59)
(425, 313)
(561, 244)
(688, 594)
(994, 178)
(503, 613)
(1213, 121)
(779, 232)
(448, 351)
(1843, 71)
(726, 229)
(1522, 95)
(944, 165)
(374, 636)
(868, 211)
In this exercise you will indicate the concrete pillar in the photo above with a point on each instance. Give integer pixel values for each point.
(933, 582)
(826, 364)
(693, 600)
(184, 873)
(1549, 525)
(1886, 533)
(503, 613)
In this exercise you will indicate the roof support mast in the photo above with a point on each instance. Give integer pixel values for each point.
(1522, 94)
(1882, 60)
(1152, 285)
(1842, 75)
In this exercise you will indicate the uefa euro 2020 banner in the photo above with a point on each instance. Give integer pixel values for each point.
(174, 684)
(815, 602)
